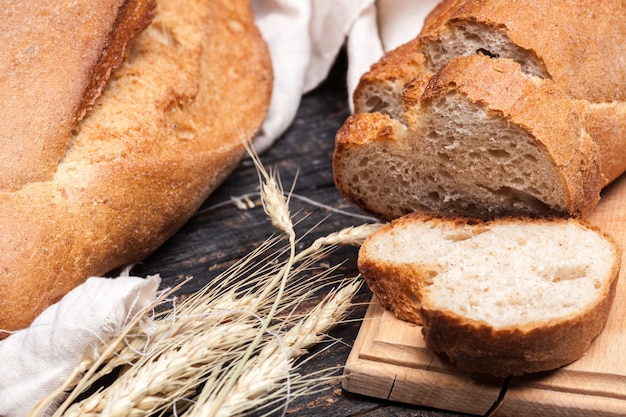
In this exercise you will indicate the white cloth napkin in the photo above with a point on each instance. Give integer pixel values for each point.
(36, 361)
(304, 38)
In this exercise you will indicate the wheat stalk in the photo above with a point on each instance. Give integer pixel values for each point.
(277, 207)
(168, 356)
(272, 365)
(354, 235)
(166, 375)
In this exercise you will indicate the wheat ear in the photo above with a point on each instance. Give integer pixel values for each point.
(167, 375)
(272, 365)
(277, 208)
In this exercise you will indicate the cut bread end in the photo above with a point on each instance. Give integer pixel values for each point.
(486, 297)
(481, 140)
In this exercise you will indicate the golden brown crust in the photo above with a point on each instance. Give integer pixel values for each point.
(606, 124)
(478, 348)
(472, 345)
(166, 132)
(133, 17)
(56, 58)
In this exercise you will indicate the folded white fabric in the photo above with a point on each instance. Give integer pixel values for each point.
(34, 362)
(304, 38)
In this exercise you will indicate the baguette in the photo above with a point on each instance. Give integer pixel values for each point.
(559, 91)
(486, 297)
(169, 127)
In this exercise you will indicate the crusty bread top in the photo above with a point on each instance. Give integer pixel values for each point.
(380, 89)
(578, 44)
(56, 57)
(166, 131)
(512, 295)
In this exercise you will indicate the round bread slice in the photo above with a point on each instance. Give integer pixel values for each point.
(169, 127)
(502, 297)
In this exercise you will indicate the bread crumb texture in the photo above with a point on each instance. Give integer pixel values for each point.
(504, 275)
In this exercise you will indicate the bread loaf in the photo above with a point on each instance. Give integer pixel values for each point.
(507, 296)
(482, 139)
(503, 76)
(166, 131)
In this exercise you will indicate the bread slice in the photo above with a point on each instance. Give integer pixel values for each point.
(168, 128)
(482, 139)
(501, 297)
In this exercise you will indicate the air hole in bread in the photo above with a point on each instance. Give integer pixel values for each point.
(483, 51)
(521, 198)
(567, 272)
(499, 153)
(429, 276)
(444, 157)
(458, 236)
(375, 104)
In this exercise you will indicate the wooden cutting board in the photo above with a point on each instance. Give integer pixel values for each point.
(389, 360)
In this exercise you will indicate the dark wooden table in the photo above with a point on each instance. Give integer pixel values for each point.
(219, 234)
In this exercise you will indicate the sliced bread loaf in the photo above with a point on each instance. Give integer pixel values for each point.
(484, 293)
(482, 139)
(575, 82)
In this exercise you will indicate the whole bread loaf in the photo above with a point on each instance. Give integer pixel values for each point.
(502, 297)
(439, 119)
(166, 131)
